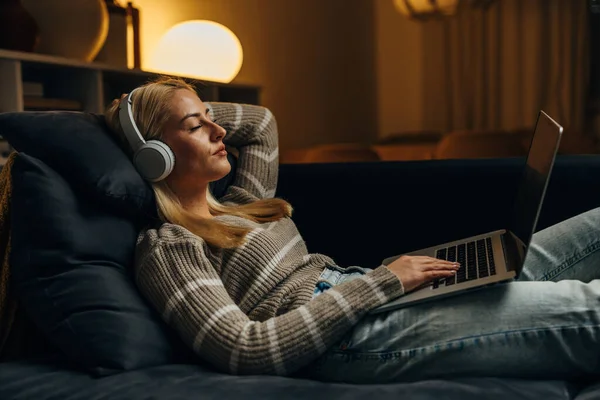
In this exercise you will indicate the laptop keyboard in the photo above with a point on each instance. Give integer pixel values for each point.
(476, 260)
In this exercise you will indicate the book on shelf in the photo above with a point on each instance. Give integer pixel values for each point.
(36, 103)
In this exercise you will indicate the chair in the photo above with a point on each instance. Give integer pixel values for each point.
(576, 142)
(341, 152)
(408, 146)
(292, 156)
(480, 144)
(405, 152)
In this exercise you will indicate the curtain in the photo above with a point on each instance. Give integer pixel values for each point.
(495, 68)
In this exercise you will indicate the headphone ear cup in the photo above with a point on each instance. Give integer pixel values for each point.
(154, 160)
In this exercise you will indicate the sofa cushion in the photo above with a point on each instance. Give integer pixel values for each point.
(47, 379)
(69, 261)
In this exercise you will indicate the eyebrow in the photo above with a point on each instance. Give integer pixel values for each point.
(194, 115)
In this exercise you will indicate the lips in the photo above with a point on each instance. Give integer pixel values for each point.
(220, 149)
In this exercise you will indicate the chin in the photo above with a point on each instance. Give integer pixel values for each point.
(221, 172)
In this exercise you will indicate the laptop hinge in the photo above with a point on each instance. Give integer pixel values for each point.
(514, 250)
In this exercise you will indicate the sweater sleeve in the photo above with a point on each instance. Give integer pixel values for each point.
(178, 279)
(252, 130)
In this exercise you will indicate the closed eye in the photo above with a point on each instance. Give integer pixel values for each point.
(201, 125)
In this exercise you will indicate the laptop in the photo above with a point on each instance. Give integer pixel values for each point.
(497, 256)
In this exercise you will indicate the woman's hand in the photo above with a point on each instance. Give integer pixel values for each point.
(415, 271)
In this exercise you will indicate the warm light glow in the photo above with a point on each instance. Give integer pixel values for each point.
(416, 8)
(199, 49)
(130, 47)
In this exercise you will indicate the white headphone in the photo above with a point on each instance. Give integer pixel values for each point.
(153, 159)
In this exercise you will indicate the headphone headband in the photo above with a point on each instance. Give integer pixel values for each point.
(130, 129)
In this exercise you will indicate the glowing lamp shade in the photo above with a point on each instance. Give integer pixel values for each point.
(199, 49)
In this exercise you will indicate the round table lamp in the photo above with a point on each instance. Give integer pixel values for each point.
(199, 49)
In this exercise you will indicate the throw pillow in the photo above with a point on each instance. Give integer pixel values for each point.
(70, 263)
(78, 204)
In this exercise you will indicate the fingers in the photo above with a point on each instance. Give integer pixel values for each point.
(426, 263)
(432, 260)
(437, 274)
(115, 101)
(442, 265)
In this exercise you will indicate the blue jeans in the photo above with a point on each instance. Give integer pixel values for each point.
(544, 325)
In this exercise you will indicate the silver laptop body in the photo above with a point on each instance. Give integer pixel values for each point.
(498, 256)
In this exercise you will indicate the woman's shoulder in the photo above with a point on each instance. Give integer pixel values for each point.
(169, 245)
(164, 233)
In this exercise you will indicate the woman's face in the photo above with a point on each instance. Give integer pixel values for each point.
(196, 141)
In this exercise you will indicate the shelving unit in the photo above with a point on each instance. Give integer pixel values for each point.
(90, 87)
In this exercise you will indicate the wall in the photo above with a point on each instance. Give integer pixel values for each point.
(482, 70)
(399, 70)
(410, 72)
(313, 59)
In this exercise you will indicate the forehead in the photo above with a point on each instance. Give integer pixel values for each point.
(186, 102)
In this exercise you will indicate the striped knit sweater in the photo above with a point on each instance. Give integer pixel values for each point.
(250, 310)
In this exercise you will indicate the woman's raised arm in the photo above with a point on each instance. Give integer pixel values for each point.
(252, 130)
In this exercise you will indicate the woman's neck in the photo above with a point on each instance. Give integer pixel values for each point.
(195, 201)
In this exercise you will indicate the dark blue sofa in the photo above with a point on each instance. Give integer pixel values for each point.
(374, 210)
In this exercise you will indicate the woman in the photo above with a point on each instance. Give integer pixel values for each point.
(237, 282)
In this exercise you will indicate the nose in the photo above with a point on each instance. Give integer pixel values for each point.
(218, 132)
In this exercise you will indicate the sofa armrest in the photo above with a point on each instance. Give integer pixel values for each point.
(361, 213)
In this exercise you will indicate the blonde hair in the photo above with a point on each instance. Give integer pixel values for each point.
(150, 120)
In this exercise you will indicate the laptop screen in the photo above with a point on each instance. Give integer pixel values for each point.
(536, 174)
